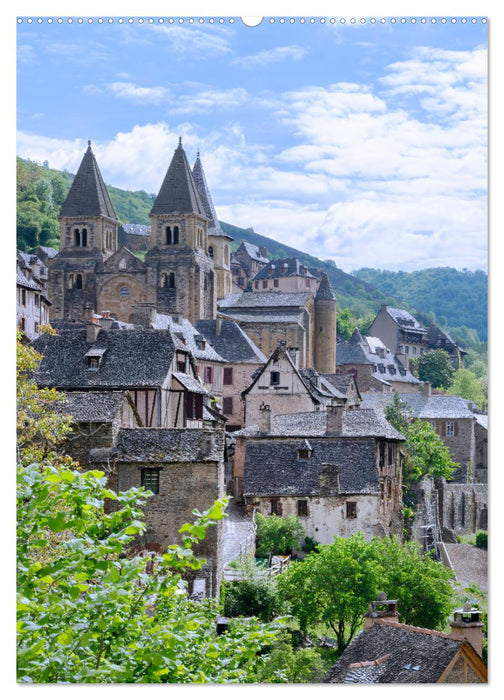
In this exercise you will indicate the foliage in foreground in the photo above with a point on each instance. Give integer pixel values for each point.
(89, 614)
(285, 664)
(333, 586)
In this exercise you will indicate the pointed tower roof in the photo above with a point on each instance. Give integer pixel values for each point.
(325, 293)
(356, 338)
(88, 195)
(178, 192)
(214, 227)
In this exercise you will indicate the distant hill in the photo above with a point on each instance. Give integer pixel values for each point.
(457, 298)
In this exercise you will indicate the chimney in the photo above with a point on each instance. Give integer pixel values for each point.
(218, 325)
(381, 609)
(426, 389)
(92, 329)
(467, 625)
(143, 314)
(334, 418)
(264, 418)
(106, 320)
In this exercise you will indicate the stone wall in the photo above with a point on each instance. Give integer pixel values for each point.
(242, 378)
(463, 508)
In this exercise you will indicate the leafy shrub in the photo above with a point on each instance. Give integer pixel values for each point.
(251, 597)
(482, 539)
(277, 535)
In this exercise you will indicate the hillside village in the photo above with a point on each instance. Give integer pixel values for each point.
(199, 372)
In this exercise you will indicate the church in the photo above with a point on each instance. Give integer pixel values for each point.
(187, 265)
(186, 271)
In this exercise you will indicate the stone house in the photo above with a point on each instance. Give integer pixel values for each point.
(158, 374)
(32, 303)
(387, 651)
(400, 332)
(453, 418)
(374, 366)
(280, 384)
(247, 261)
(286, 275)
(438, 339)
(242, 357)
(304, 321)
(338, 471)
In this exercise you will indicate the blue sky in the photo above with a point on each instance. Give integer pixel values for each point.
(364, 143)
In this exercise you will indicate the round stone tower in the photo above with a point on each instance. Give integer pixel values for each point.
(325, 328)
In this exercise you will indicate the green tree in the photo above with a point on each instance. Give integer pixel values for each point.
(285, 664)
(345, 323)
(254, 593)
(466, 384)
(435, 367)
(335, 585)
(276, 535)
(421, 585)
(426, 454)
(89, 613)
(332, 586)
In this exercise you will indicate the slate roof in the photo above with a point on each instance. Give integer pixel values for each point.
(325, 292)
(23, 281)
(50, 252)
(178, 191)
(359, 422)
(259, 316)
(230, 342)
(264, 300)
(372, 351)
(254, 252)
(319, 385)
(404, 319)
(272, 467)
(342, 382)
(423, 407)
(167, 445)
(286, 267)
(190, 383)
(214, 227)
(190, 334)
(413, 655)
(93, 406)
(88, 195)
(132, 358)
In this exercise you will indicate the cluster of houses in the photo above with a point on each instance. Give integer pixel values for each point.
(198, 372)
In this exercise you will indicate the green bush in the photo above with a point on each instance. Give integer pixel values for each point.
(482, 539)
(277, 535)
(251, 597)
(284, 664)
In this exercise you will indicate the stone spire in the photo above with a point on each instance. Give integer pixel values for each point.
(325, 292)
(356, 338)
(214, 227)
(88, 195)
(178, 193)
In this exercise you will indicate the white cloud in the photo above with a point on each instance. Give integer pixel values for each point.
(269, 56)
(209, 100)
(137, 93)
(193, 41)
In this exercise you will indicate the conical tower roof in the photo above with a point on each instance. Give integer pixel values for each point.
(214, 227)
(325, 293)
(88, 195)
(356, 338)
(178, 192)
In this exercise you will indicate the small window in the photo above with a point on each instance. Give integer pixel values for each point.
(84, 237)
(169, 237)
(256, 285)
(275, 283)
(150, 480)
(36, 327)
(302, 508)
(450, 429)
(23, 297)
(93, 362)
(210, 252)
(274, 378)
(275, 506)
(208, 375)
(265, 284)
(227, 405)
(303, 455)
(78, 282)
(413, 349)
(22, 323)
(351, 509)
(175, 235)
(406, 349)
(228, 375)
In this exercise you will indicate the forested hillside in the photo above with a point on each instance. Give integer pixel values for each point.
(457, 298)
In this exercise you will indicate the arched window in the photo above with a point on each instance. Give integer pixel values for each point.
(78, 282)
(169, 239)
(210, 252)
(175, 235)
(84, 237)
(226, 255)
(70, 281)
(77, 237)
(171, 280)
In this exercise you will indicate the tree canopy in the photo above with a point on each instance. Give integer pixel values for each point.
(435, 367)
(276, 535)
(334, 585)
(469, 386)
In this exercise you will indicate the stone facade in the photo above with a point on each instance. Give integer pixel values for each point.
(463, 508)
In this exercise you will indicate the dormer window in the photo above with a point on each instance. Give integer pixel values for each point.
(93, 362)
(94, 357)
(303, 455)
(274, 378)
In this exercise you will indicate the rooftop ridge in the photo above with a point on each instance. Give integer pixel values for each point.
(412, 628)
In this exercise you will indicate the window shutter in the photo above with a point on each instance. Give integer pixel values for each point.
(455, 423)
(443, 428)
